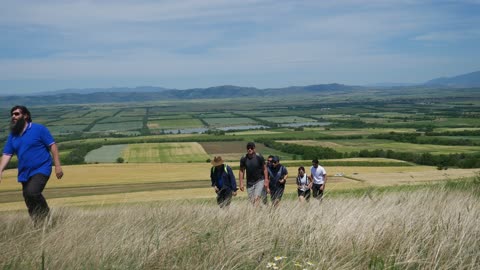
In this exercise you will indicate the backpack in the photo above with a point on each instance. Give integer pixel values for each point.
(220, 180)
(274, 179)
(224, 167)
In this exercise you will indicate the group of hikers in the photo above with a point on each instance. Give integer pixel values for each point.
(35, 149)
(264, 177)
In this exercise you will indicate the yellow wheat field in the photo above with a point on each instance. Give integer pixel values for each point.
(339, 178)
(107, 174)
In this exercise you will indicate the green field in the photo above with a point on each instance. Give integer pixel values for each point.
(217, 115)
(105, 154)
(287, 119)
(137, 112)
(121, 119)
(230, 122)
(164, 152)
(101, 113)
(148, 153)
(120, 126)
(169, 117)
(174, 124)
(72, 121)
(66, 129)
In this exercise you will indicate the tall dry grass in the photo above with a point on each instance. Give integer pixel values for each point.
(428, 229)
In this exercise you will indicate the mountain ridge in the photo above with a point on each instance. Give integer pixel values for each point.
(471, 79)
(152, 93)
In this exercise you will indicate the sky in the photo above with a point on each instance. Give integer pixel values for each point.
(52, 45)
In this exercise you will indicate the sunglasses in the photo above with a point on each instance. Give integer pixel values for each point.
(248, 148)
(16, 113)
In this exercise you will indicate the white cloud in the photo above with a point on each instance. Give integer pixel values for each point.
(346, 41)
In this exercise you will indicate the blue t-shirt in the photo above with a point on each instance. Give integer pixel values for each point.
(33, 151)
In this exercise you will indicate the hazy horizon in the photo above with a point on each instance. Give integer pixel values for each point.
(54, 45)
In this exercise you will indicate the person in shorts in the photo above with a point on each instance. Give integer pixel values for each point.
(254, 166)
(319, 177)
(304, 185)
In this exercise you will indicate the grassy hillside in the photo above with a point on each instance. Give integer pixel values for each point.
(428, 229)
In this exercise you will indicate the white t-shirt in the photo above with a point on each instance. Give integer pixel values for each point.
(318, 174)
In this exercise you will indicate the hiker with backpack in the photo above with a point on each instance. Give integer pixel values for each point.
(304, 185)
(278, 177)
(253, 164)
(223, 181)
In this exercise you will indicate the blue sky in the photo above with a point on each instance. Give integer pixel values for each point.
(51, 45)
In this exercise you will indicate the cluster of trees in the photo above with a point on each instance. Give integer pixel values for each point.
(460, 160)
(418, 138)
(455, 133)
(78, 153)
(307, 152)
(441, 161)
(352, 123)
(215, 132)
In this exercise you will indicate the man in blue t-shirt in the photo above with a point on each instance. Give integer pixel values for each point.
(32, 143)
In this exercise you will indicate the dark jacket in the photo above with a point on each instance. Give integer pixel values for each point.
(275, 174)
(224, 178)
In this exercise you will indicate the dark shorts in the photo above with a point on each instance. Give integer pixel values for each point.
(304, 193)
(276, 193)
(317, 193)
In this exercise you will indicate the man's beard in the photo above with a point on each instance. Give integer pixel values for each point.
(17, 128)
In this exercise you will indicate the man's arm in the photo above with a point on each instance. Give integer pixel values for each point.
(241, 173)
(56, 161)
(212, 179)
(285, 175)
(267, 181)
(231, 176)
(3, 164)
(233, 182)
(324, 180)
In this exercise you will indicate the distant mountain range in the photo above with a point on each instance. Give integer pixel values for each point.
(463, 81)
(151, 93)
(143, 94)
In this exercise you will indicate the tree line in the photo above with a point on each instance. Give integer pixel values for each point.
(427, 138)
(442, 161)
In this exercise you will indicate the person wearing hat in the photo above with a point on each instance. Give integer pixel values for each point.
(277, 174)
(253, 164)
(319, 177)
(223, 181)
